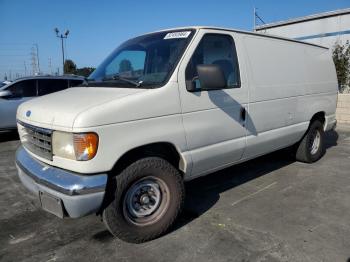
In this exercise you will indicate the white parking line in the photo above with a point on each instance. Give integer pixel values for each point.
(253, 194)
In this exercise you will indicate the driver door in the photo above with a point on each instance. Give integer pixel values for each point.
(214, 121)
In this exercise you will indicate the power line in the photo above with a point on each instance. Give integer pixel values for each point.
(14, 50)
(17, 68)
(12, 44)
(12, 66)
(14, 55)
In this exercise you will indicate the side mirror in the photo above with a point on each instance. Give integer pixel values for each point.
(5, 93)
(211, 77)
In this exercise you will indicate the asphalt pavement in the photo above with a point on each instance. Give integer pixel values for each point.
(268, 209)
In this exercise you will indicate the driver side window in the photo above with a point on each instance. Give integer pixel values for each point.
(215, 49)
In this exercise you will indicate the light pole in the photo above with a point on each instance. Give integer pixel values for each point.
(62, 37)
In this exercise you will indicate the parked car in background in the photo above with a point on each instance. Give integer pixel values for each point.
(168, 107)
(4, 83)
(23, 89)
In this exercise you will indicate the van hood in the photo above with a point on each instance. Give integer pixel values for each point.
(61, 108)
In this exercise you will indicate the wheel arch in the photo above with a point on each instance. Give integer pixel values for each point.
(321, 116)
(165, 150)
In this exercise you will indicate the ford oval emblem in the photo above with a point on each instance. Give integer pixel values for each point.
(28, 113)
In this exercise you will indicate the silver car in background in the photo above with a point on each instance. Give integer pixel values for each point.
(23, 89)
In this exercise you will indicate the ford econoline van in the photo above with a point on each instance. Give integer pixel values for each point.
(167, 107)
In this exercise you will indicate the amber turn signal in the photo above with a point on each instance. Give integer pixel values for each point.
(85, 146)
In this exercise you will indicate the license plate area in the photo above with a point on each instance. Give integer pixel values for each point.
(51, 204)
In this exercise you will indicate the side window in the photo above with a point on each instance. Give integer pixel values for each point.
(48, 86)
(219, 50)
(73, 83)
(25, 88)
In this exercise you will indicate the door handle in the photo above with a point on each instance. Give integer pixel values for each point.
(243, 113)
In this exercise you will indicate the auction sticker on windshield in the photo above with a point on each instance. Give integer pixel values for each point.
(183, 34)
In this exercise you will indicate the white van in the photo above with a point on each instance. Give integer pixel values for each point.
(167, 107)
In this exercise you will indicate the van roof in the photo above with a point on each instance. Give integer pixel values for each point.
(243, 32)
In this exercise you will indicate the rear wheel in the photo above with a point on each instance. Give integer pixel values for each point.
(148, 198)
(311, 148)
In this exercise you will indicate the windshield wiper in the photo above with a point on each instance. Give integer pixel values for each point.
(119, 78)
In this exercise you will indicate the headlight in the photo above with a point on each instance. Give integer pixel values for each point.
(74, 146)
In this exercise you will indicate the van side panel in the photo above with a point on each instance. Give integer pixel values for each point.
(289, 83)
(321, 87)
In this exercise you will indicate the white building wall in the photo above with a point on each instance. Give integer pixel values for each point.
(322, 31)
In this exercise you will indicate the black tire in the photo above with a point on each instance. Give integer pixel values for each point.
(305, 151)
(123, 223)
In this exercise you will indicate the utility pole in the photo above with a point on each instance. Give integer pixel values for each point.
(25, 68)
(34, 61)
(254, 15)
(50, 66)
(62, 36)
(37, 56)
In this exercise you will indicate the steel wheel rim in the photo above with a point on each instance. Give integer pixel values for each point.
(146, 201)
(315, 142)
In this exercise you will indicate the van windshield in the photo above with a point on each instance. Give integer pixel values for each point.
(145, 62)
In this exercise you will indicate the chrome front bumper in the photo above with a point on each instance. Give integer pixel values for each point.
(59, 191)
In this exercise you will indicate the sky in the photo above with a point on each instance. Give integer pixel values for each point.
(98, 27)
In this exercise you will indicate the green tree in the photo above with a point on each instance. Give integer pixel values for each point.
(341, 58)
(85, 71)
(69, 67)
(125, 66)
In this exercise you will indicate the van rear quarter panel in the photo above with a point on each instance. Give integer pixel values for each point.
(321, 85)
(288, 83)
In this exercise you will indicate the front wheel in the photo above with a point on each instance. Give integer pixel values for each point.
(311, 148)
(149, 195)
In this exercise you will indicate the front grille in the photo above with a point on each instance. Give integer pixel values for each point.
(37, 140)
